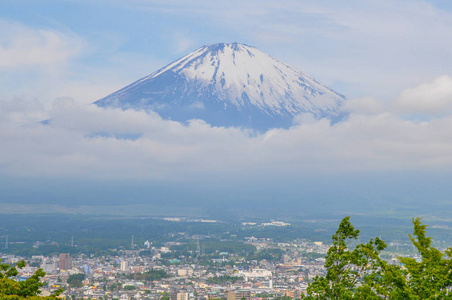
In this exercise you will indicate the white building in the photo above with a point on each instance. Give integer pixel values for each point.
(256, 273)
(124, 266)
(182, 296)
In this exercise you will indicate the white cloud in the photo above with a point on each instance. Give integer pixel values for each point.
(183, 43)
(365, 105)
(86, 141)
(22, 46)
(433, 98)
(49, 63)
(197, 105)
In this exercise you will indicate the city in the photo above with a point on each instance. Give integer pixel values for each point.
(143, 274)
(183, 265)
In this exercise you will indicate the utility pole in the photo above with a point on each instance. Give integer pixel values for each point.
(132, 242)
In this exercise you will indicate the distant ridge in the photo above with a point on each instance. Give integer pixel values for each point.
(229, 85)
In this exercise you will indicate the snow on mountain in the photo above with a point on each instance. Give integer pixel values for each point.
(229, 85)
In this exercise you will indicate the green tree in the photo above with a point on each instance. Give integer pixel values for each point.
(351, 274)
(361, 273)
(431, 277)
(35, 264)
(150, 275)
(76, 280)
(28, 289)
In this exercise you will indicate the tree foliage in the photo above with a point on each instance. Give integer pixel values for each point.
(360, 273)
(129, 287)
(431, 277)
(76, 280)
(150, 275)
(28, 289)
(350, 273)
(272, 254)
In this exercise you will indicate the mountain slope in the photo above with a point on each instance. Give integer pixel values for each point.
(229, 85)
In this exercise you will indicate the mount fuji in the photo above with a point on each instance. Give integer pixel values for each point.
(229, 85)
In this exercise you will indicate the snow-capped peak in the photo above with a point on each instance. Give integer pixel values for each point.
(229, 78)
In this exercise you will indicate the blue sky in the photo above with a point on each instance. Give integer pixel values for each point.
(390, 58)
(364, 48)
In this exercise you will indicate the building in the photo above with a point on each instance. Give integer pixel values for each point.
(294, 294)
(182, 296)
(240, 294)
(65, 261)
(124, 266)
(49, 266)
(256, 273)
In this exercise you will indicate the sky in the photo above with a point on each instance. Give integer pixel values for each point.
(391, 59)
